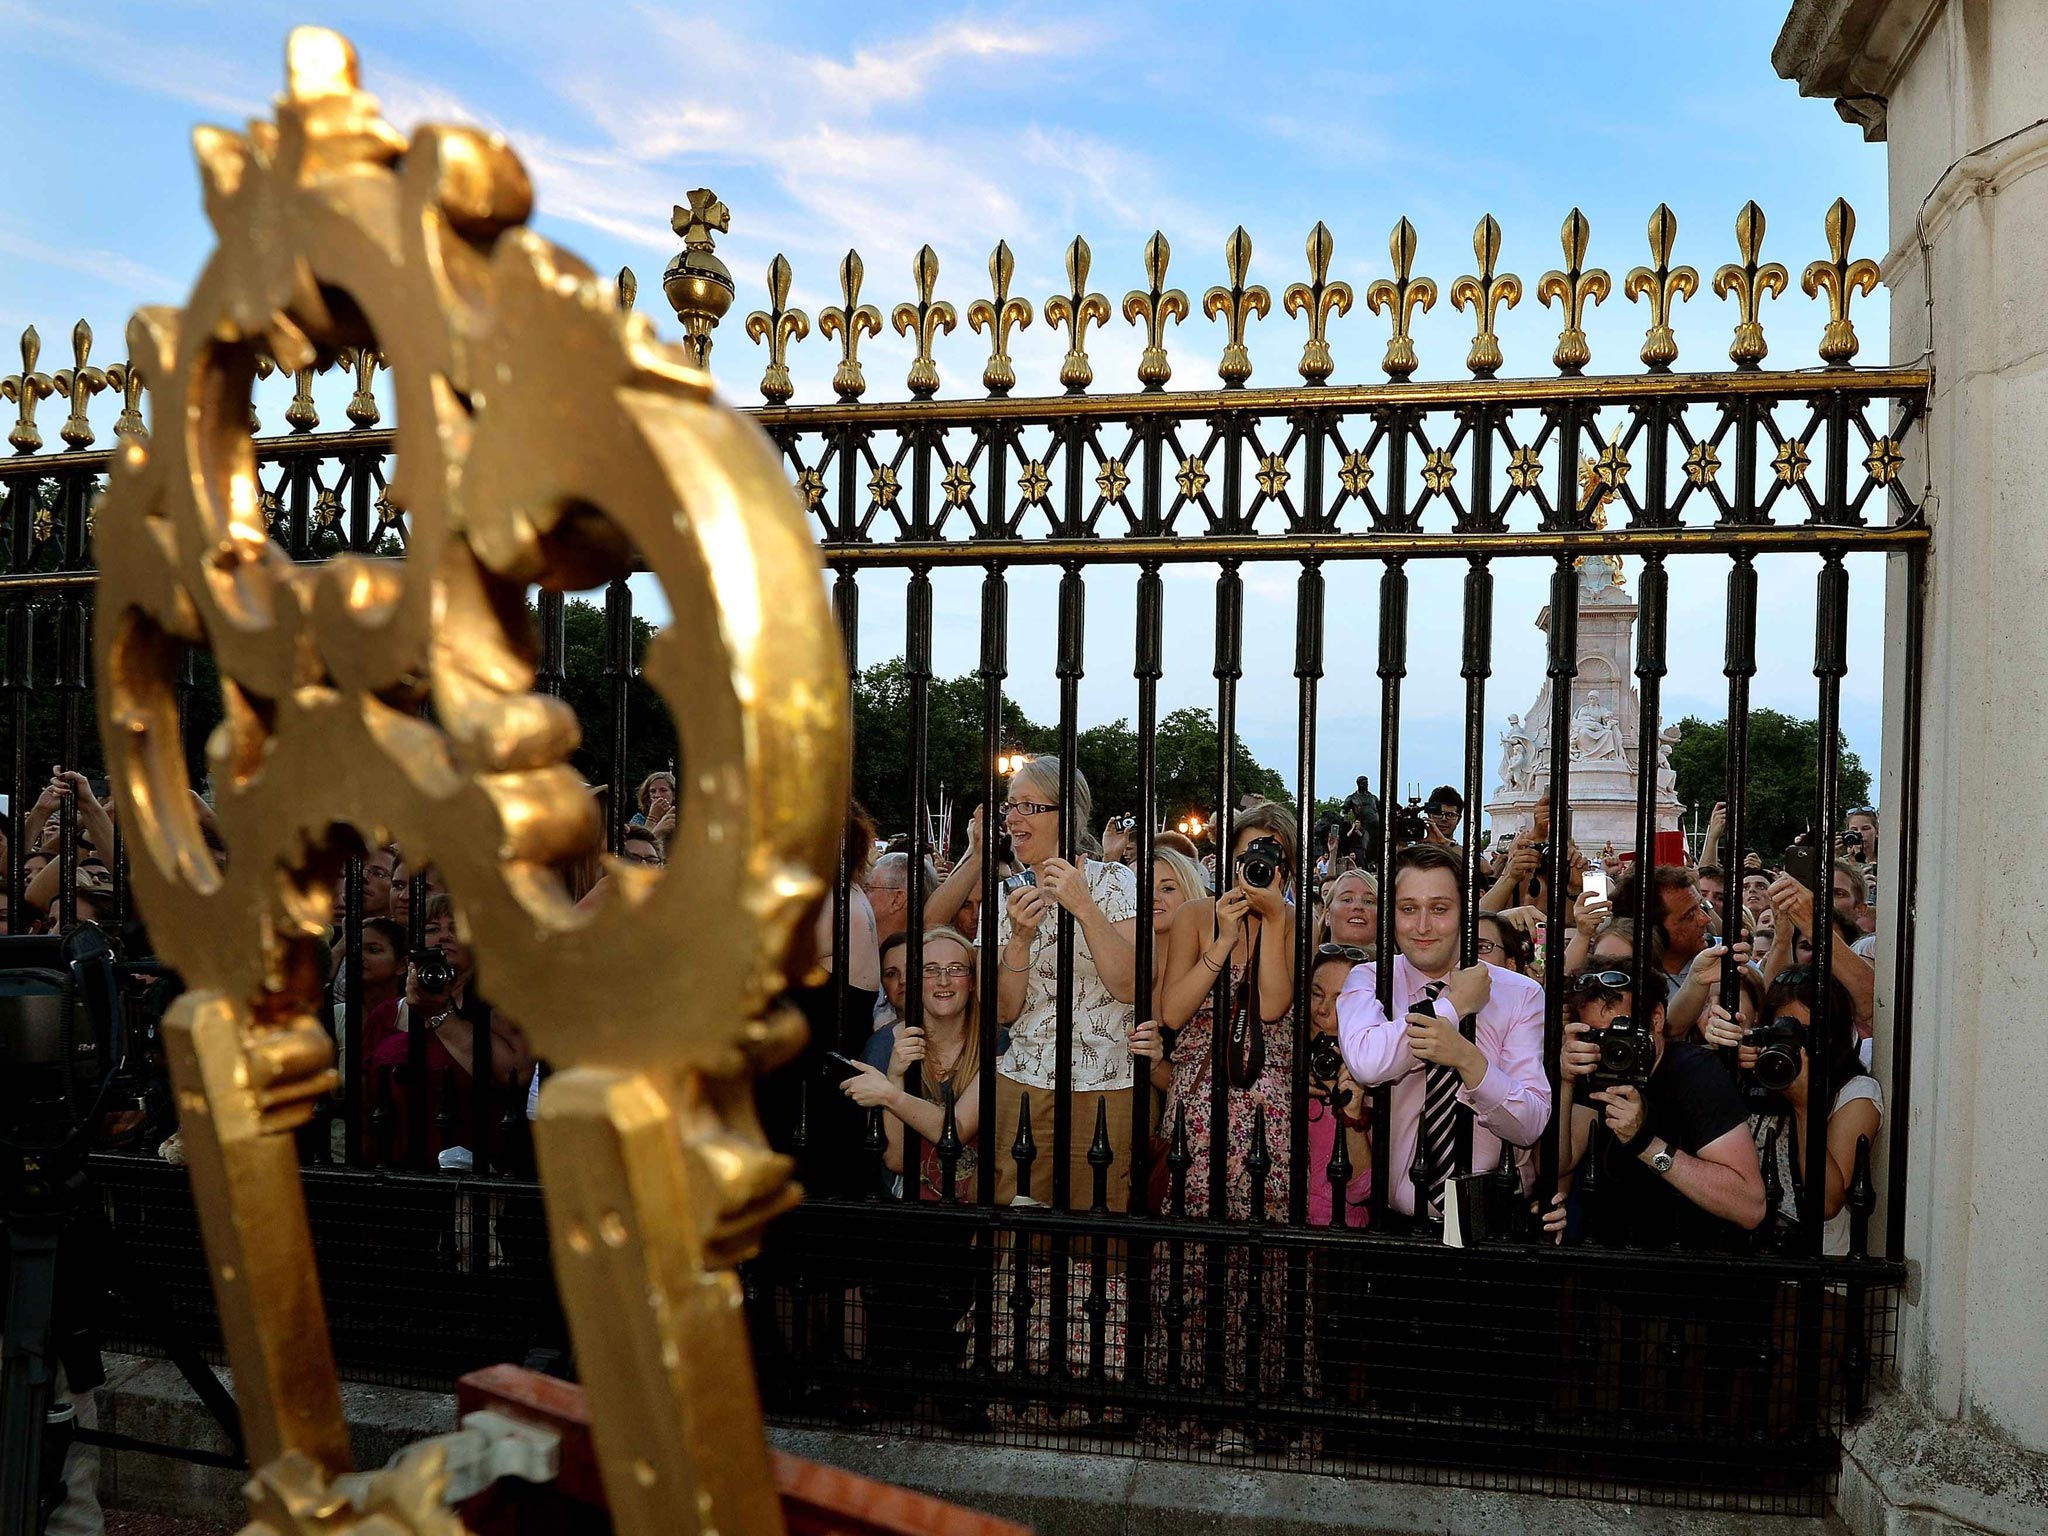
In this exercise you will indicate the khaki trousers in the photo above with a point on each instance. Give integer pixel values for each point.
(1010, 1099)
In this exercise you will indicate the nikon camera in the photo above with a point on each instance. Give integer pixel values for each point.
(1778, 1043)
(1627, 1054)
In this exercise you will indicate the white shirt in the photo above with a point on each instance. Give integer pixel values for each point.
(1101, 1024)
(1512, 1101)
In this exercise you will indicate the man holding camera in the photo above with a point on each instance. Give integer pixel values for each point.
(1496, 1074)
(1657, 1126)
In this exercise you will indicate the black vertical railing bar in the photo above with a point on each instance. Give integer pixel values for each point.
(1743, 512)
(917, 667)
(1228, 669)
(1656, 417)
(995, 667)
(1393, 666)
(1149, 668)
(1308, 672)
(1903, 893)
(417, 1030)
(1830, 665)
(21, 621)
(1478, 666)
(1072, 612)
(1647, 911)
(845, 609)
(551, 613)
(1563, 668)
(618, 675)
(351, 1014)
(1740, 668)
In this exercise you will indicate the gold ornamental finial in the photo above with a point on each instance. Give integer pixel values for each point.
(362, 410)
(996, 315)
(1319, 299)
(1663, 285)
(266, 365)
(1751, 284)
(27, 389)
(1841, 278)
(628, 289)
(77, 385)
(1401, 298)
(1074, 309)
(1571, 287)
(848, 321)
(128, 426)
(543, 438)
(926, 318)
(1237, 304)
(778, 325)
(1152, 308)
(698, 284)
(1485, 294)
(302, 415)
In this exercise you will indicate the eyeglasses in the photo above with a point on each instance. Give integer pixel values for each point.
(1602, 981)
(1024, 808)
(641, 858)
(933, 971)
(1356, 954)
(1487, 947)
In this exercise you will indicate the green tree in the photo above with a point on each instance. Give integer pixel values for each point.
(1191, 756)
(651, 741)
(954, 755)
(1783, 753)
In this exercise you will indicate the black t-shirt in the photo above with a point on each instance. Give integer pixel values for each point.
(1692, 1103)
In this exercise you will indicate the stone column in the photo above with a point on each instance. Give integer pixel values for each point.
(1957, 89)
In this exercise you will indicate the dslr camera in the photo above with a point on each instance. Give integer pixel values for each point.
(1262, 861)
(1778, 1044)
(1325, 1059)
(432, 969)
(1627, 1054)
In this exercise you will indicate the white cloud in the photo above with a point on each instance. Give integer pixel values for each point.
(109, 267)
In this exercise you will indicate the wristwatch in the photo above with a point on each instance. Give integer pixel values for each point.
(1663, 1158)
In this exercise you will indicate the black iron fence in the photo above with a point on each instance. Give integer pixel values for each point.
(1134, 1299)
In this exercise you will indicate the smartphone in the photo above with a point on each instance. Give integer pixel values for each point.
(1595, 883)
(837, 1069)
(1803, 865)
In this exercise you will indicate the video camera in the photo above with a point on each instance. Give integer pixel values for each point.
(1411, 822)
(63, 1045)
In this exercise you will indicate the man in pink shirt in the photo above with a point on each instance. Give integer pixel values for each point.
(1438, 1075)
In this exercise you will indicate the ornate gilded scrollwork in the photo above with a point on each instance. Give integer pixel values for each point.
(544, 438)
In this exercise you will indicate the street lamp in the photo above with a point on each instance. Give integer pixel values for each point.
(1008, 763)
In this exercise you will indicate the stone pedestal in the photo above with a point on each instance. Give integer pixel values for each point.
(1957, 89)
(1603, 790)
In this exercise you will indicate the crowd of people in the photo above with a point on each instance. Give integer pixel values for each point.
(1696, 1146)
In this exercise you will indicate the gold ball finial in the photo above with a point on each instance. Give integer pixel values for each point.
(699, 286)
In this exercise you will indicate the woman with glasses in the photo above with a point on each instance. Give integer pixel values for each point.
(1102, 899)
(1502, 943)
(948, 1052)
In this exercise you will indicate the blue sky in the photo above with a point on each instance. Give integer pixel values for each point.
(886, 127)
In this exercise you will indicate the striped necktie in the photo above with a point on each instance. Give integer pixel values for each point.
(1439, 1119)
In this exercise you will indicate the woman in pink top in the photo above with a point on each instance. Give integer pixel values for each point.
(1333, 964)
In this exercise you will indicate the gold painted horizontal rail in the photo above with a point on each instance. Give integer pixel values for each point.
(1866, 383)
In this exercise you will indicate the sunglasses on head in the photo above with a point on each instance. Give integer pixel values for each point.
(1355, 953)
(1602, 981)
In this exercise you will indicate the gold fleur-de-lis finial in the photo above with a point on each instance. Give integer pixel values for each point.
(627, 286)
(1571, 287)
(778, 325)
(926, 319)
(266, 365)
(1485, 293)
(362, 405)
(1152, 307)
(1751, 284)
(302, 415)
(996, 315)
(1842, 279)
(76, 386)
(1074, 309)
(1663, 285)
(1319, 299)
(847, 320)
(1237, 304)
(1401, 296)
(27, 389)
(128, 426)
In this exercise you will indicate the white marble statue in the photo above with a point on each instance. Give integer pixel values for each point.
(1667, 776)
(1514, 758)
(1596, 734)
